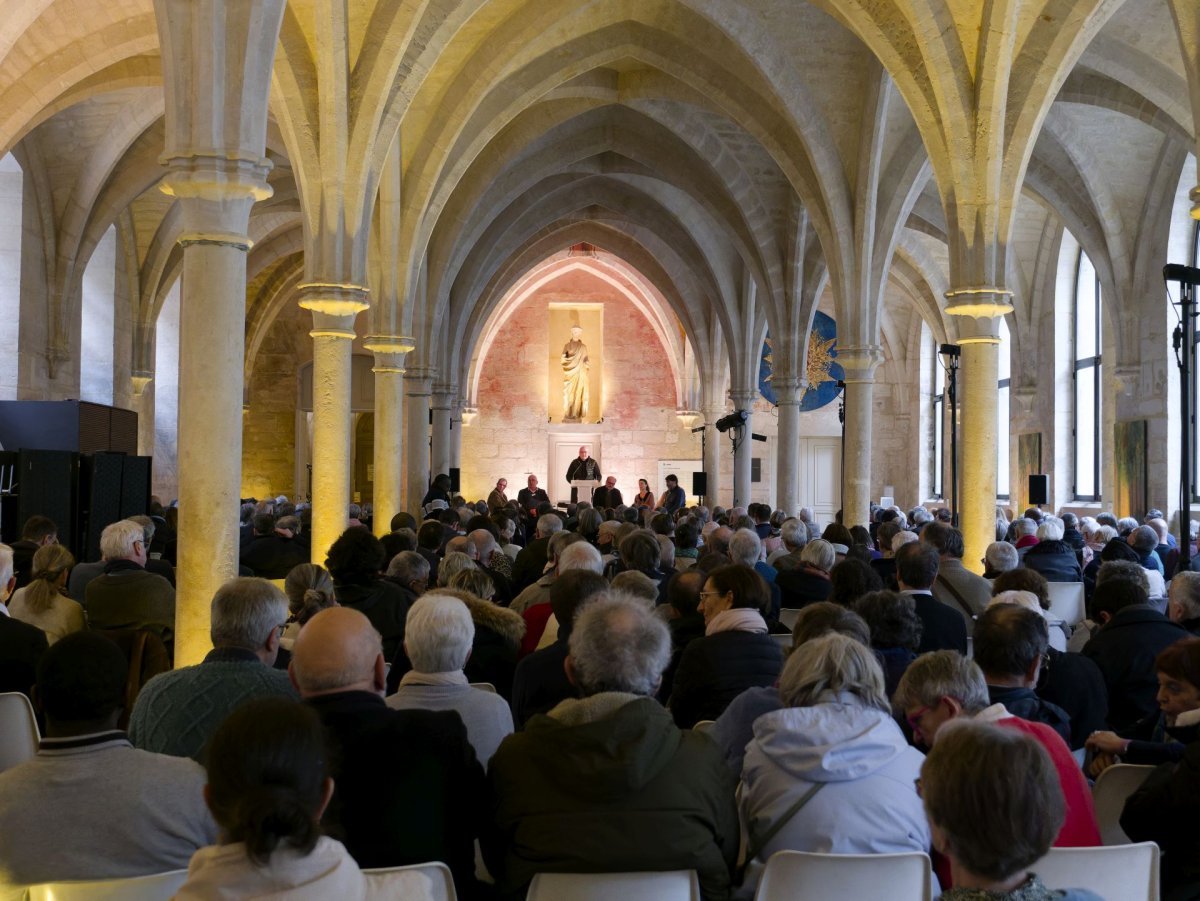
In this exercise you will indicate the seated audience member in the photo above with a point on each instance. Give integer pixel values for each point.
(1163, 809)
(640, 551)
(606, 781)
(125, 595)
(834, 742)
(1010, 646)
(154, 564)
(437, 638)
(1144, 541)
(850, 580)
(809, 582)
(734, 728)
(1071, 533)
(687, 551)
(305, 578)
(1051, 556)
(716, 549)
(1131, 635)
(955, 586)
(735, 653)
(498, 631)
(1068, 680)
(90, 806)
(178, 712)
(531, 561)
(684, 620)
(1151, 740)
(637, 585)
(1123, 569)
(540, 682)
(539, 591)
(43, 602)
(409, 571)
(21, 645)
(895, 632)
(37, 532)
(355, 560)
(268, 784)
(273, 551)
(885, 564)
(541, 628)
(793, 536)
(994, 808)
(916, 570)
(944, 686)
(1183, 601)
(1000, 557)
(407, 785)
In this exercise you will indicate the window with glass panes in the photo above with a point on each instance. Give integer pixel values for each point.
(1086, 344)
(939, 422)
(1002, 414)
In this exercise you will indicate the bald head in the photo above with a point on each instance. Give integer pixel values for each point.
(462, 544)
(484, 542)
(337, 650)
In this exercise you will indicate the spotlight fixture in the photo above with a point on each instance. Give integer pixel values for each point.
(732, 421)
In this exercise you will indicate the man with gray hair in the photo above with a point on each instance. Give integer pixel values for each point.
(745, 548)
(125, 595)
(438, 635)
(560, 544)
(531, 562)
(410, 571)
(1051, 556)
(1183, 601)
(999, 557)
(177, 712)
(793, 536)
(595, 784)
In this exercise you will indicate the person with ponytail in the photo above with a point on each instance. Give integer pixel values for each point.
(309, 590)
(268, 784)
(44, 602)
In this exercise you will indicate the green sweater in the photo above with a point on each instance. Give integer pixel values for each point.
(177, 712)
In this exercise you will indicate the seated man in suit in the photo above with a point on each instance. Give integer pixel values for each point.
(916, 570)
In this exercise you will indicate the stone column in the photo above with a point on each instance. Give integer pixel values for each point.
(334, 308)
(978, 397)
(743, 400)
(215, 196)
(143, 405)
(859, 364)
(712, 453)
(442, 400)
(418, 385)
(389, 353)
(1187, 23)
(456, 434)
(788, 391)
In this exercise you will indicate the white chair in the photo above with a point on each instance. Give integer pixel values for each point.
(784, 641)
(1127, 872)
(1066, 602)
(1111, 790)
(19, 736)
(787, 617)
(484, 686)
(678, 885)
(705, 726)
(833, 877)
(441, 882)
(158, 887)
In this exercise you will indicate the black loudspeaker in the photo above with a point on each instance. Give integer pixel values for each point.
(700, 484)
(46, 483)
(454, 476)
(1039, 489)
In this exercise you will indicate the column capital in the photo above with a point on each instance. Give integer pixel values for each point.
(443, 395)
(860, 361)
(216, 194)
(979, 310)
(328, 325)
(140, 379)
(788, 390)
(418, 382)
(334, 299)
(389, 351)
(744, 400)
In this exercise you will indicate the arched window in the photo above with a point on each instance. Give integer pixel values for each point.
(1194, 261)
(1003, 416)
(11, 193)
(939, 423)
(1086, 338)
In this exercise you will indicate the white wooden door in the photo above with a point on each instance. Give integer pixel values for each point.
(821, 476)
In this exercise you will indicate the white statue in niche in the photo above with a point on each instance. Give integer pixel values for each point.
(575, 367)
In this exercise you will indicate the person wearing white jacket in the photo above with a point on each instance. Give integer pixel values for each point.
(831, 772)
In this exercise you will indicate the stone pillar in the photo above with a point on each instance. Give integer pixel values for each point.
(456, 434)
(712, 453)
(787, 480)
(215, 196)
(1187, 23)
(442, 400)
(334, 308)
(389, 353)
(978, 397)
(418, 386)
(143, 405)
(859, 364)
(741, 456)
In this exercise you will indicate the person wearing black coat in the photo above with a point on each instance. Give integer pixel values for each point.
(1056, 560)
(736, 651)
(1076, 685)
(942, 627)
(1132, 635)
(21, 647)
(531, 561)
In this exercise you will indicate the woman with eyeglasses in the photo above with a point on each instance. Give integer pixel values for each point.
(831, 772)
(736, 651)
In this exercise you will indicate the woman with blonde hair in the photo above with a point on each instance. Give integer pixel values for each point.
(44, 602)
(309, 590)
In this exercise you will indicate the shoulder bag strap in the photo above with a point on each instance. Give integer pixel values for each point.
(962, 602)
(757, 844)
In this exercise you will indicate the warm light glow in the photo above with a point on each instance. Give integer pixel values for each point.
(974, 305)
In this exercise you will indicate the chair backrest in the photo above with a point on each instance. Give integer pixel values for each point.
(788, 617)
(1066, 601)
(441, 882)
(705, 726)
(158, 887)
(19, 735)
(1111, 790)
(147, 656)
(783, 640)
(484, 686)
(834, 877)
(677, 885)
(1122, 871)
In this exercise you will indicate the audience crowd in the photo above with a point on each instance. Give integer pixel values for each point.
(513, 688)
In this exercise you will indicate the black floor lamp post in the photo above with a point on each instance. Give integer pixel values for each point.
(950, 354)
(1188, 278)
